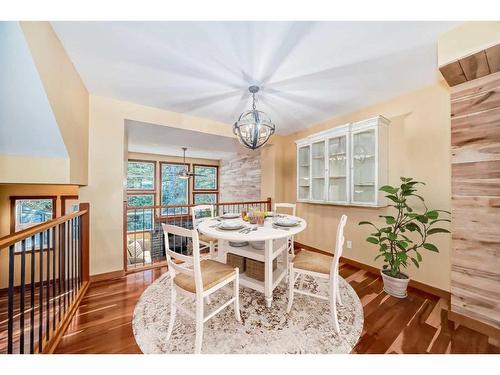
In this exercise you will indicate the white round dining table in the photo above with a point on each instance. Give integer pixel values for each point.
(276, 241)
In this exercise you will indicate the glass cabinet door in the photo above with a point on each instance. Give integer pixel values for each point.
(318, 171)
(337, 169)
(363, 166)
(304, 159)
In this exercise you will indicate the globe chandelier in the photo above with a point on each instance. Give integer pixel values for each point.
(253, 128)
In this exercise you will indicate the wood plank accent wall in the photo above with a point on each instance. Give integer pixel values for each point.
(471, 67)
(475, 139)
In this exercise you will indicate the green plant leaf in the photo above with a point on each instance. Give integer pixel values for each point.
(415, 262)
(412, 227)
(430, 247)
(393, 198)
(372, 240)
(437, 230)
(432, 214)
(422, 218)
(404, 244)
(438, 220)
(446, 212)
(389, 219)
(378, 256)
(419, 257)
(392, 236)
(385, 266)
(389, 189)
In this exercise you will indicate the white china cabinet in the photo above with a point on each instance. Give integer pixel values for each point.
(345, 165)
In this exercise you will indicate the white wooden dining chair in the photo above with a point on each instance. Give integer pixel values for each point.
(319, 266)
(290, 240)
(198, 214)
(197, 279)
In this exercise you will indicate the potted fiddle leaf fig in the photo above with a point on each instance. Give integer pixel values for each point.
(404, 234)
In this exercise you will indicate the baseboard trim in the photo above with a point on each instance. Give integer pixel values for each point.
(475, 325)
(414, 284)
(107, 276)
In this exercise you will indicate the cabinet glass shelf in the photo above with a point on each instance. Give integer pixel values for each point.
(344, 165)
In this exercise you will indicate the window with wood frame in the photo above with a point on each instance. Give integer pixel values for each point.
(29, 211)
(205, 184)
(141, 175)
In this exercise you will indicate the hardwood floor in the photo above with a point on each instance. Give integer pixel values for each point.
(416, 324)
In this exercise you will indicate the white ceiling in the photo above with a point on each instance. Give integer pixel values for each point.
(164, 140)
(27, 123)
(308, 71)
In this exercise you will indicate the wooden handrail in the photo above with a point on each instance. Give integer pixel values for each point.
(151, 207)
(13, 238)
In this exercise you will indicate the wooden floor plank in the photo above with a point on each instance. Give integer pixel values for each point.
(103, 323)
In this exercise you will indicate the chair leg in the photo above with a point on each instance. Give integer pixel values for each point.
(291, 276)
(173, 311)
(333, 307)
(199, 325)
(236, 295)
(301, 282)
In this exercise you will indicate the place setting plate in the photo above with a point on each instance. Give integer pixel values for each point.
(286, 222)
(230, 225)
(230, 216)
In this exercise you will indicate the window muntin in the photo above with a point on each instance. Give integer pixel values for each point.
(140, 175)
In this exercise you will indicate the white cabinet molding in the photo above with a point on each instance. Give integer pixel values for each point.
(345, 165)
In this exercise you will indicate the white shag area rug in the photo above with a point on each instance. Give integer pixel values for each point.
(307, 329)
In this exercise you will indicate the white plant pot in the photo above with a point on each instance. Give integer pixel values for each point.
(394, 286)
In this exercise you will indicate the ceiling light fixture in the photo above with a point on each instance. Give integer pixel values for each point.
(253, 128)
(185, 174)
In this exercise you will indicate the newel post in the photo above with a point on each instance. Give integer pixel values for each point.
(85, 222)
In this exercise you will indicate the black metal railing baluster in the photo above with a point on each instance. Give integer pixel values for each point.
(40, 292)
(47, 294)
(74, 260)
(59, 269)
(78, 252)
(10, 308)
(22, 297)
(70, 261)
(32, 296)
(66, 266)
(54, 278)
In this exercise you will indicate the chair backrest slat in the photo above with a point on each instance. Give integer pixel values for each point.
(202, 208)
(291, 206)
(190, 261)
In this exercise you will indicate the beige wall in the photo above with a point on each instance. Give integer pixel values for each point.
(21, 169)
(107, 155)
(419, 147)
(6, 191)
(466, 39)
(67, 95)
